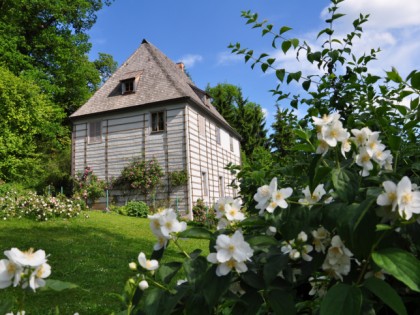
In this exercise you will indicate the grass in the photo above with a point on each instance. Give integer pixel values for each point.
(91, 252)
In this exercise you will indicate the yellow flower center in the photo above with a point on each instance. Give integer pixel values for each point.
(279, 195)
(40, 272)
(222, 208)
(148, 264)
(230, 263)
(392, 196)
(333, 133)
(168, 225)
(11, 268)
(407, 198)
(232, 212)
(231, 248)
(365, 158)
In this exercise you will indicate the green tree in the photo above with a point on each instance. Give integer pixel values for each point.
(30, 127)
(47, 40)
(246, 117)
(283, 138)
(106, 65)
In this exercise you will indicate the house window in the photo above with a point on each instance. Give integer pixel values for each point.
(201, 125)
(204, 184)
(127, 86)
(218, 135)
(221, 186)
(95, 132)
(231, 144)
(158, 121)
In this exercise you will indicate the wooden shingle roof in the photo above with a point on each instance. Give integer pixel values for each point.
(158, 79)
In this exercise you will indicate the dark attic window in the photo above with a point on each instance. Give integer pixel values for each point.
(127, 86)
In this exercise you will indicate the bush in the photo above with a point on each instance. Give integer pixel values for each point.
(135, 209)
(88, 187)
(204, 215)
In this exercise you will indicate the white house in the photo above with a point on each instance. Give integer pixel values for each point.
(149, 108)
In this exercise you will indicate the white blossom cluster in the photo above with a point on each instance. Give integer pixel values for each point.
(164, 225)
(228, 210)
(404, 196)
(297, 248)
(40, 208)
(311, 198)
(231, 253)
(330, 132)
(337, 261)
(28, 269)
(268, 197)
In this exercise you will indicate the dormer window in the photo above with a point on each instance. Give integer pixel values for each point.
(127, 86)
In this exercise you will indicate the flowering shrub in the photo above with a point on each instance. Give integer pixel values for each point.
(203, 215)
(88, 187)
(39, 208)
(338, 232)
(140, 175)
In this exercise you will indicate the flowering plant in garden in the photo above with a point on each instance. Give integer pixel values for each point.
(39, 208)
(336, 231)
(88, 186)
(26, 270)
(140, 175)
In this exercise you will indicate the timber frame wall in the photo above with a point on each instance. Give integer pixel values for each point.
(127, 134)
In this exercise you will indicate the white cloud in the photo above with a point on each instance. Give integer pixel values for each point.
(265, 112)
(227, 58)
(190, 60)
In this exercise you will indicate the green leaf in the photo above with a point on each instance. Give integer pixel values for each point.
(261, 240)
(284, 29)
(57, 285)
(280, 74)
(252, 221)
(394, 142)
(167, 271)
(306, 85)
(387, 294)
(285, 46)
(302, 147)
(295, 42)
(215, 286)
(342, 299)
(196, 233)
(400, 264)
(195, 269)
(264, 67)
(394, 75)
(415, 80)
(383, 227)
(273, 266)
(345, 184)
(282, 302)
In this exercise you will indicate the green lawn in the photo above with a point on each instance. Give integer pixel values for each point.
(91, 252)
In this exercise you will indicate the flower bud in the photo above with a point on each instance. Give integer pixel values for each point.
(143, 285)
(132, 266)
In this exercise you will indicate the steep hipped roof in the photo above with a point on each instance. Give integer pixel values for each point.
(158, 79)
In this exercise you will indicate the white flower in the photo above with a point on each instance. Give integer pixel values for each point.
(322, 148)
(326, 119)
(222, 224)
(143, 285)
(233, 212)
(302, 236)
(305, 250)
(337, 261)
(381, 157)
(271, 230)
(231, 252)
(361, 137)
(333, 133)
(164, 224)
(374, 145)
(28, 258)
(181, 281)
(221, 205)
(389, 197)
(146, 263)
(18, 313)
(36, 279)
(319, 286)
(346, 145)
(8, 270)
(363, 159)
(264, 194)
(407, 199)
(132, 265)
(278, 199)
(321, 239)
(312, 198)
(233, 247)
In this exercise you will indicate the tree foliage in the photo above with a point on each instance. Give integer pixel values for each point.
(30, 127)
(246, 117)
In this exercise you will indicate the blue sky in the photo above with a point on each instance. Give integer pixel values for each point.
(198, 33)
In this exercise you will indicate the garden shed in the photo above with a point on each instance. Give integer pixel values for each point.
(149, 108)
